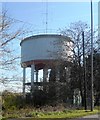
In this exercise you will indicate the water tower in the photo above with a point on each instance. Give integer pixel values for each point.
(43, 52)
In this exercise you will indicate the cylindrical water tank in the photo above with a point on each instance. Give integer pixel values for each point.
(45, 47)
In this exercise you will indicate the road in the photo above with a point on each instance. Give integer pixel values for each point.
(92, 116)
(89, 117)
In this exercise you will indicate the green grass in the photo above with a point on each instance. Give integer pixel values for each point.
(66, 114)
(50, 114)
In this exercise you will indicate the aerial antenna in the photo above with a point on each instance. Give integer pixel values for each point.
(46, 21)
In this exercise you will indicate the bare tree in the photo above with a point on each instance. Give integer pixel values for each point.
(9, 53)
(74, 31)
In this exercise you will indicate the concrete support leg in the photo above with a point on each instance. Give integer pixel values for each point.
(36, 75)
(45, 74)
(57, 73)
(45, 77)
(37, 79)
(24, 78)
(57, 83)
(32, 78)
(67, 71)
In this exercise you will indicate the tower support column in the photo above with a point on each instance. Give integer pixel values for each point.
(57, 83)
(37, 79)
(32, 78)
(24, 79)
(57, 73)
(36, 75)
(45, 77)
(45, 74)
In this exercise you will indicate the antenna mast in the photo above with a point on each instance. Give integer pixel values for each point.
(46, 16)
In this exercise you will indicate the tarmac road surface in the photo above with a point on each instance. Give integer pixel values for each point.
(89, 117)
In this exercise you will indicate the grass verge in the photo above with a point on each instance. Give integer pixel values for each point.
(54, 114)
(67, 114)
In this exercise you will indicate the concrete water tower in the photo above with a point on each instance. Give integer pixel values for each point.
(43, 52)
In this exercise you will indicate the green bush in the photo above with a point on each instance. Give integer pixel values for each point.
(4, 119)
(12, 101)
